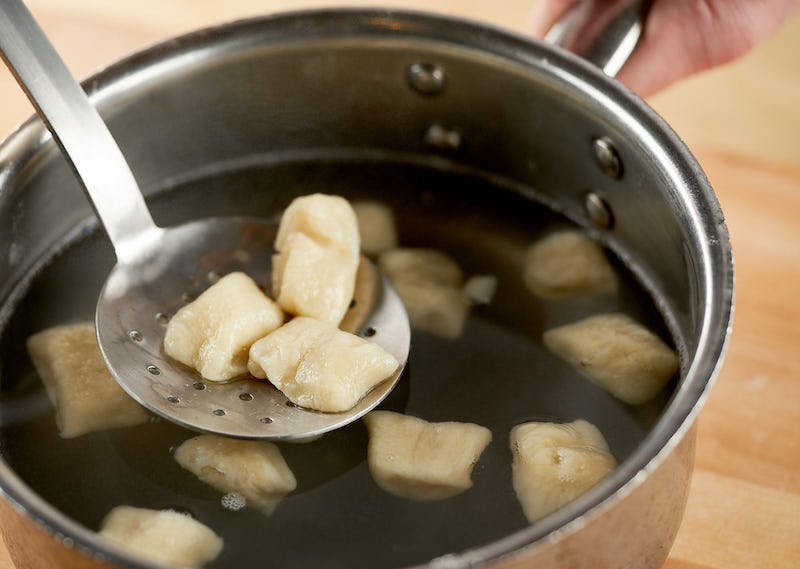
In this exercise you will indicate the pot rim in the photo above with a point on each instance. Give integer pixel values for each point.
(708, 230)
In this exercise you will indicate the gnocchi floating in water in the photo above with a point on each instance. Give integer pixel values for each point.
(619, 354)
(165, 536)
(431, 286)
(254, 470)
(318, 366)
(213, 333)
(480, 289)
(86, 396)
(553, 464)
(568, 263)
(412, 458)
(376, 226)
(314, 271)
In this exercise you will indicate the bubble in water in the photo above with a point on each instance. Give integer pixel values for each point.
(233, 501)
(480, 289)
(15, 253)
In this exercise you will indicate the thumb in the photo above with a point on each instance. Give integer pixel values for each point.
(545, 13)
(682, 37)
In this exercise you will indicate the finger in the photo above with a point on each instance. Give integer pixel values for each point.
(682, 37)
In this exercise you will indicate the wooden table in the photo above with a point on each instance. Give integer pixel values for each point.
(743, 122)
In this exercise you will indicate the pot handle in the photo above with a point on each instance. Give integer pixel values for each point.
(604, 33)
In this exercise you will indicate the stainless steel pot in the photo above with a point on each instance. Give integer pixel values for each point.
(400, 87)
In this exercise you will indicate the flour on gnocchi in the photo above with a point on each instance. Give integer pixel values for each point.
(213, 333)
(376, 226)
(431, 286)
(318, 366)
(414, 459)
(255, 470)
(163, 536)
(553, 464)
(86, 396)
(617, 353)
(314, 271)
(568, 263)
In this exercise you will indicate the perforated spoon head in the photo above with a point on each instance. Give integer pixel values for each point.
(140, 296)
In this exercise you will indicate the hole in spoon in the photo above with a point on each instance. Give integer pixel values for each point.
(369, 332)
(265, 420)
(135, 335)
(162, 318)
(154, 369)
(173, 399)
(218, 412)
(199, 386)
(246, 396)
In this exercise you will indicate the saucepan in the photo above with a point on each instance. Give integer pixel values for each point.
(480, 140)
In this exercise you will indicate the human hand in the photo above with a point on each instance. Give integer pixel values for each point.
(682, 37)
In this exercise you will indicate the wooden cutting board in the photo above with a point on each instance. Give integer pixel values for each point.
(743, 122)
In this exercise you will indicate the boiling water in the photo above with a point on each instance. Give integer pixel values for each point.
(497, 374)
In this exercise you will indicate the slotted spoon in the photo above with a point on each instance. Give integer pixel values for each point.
(159, 269)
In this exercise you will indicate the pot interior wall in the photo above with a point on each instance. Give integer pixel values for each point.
(196, 112)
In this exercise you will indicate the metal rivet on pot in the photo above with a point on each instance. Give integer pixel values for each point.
(598, 211)
(607, 157)
(426, 78)
(443, 138)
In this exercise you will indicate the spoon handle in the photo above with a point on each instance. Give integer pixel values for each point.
(78, 129)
